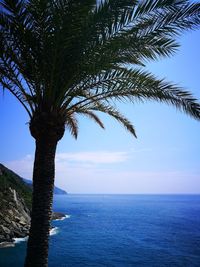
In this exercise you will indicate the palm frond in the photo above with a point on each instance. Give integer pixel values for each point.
(148, 33)
(72, 125)
(135, 85)
(113, 112)
(66, 55)
(91, 115)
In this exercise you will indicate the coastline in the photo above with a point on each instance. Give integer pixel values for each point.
(56, 216)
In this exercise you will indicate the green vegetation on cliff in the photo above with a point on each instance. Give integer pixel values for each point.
(15, 206)
(10, 179)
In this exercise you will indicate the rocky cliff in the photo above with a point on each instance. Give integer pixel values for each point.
(9, 179)
(15, 204)
(15, 199)
(14, 216)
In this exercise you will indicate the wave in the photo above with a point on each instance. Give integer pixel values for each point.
(54, 231)
(17, 240)
(20, 239)
(63, 218)
(66, 217)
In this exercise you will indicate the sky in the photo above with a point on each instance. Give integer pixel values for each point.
(164, 159)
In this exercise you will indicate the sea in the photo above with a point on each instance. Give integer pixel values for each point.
(121, 231)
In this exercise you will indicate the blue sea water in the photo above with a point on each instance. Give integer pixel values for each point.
(121, 231)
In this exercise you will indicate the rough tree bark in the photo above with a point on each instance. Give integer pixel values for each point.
(47, 132)
(43, 184)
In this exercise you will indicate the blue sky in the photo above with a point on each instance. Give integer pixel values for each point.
(164, 159)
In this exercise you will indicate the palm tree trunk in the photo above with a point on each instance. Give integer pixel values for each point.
(43, 185)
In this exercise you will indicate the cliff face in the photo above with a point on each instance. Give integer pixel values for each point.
(10, 179)
(15, 201)
(14, 216)
(15, 206)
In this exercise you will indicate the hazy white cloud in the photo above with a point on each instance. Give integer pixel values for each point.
(107, 172)
(70, 161)
(23, 167)
(96, 157)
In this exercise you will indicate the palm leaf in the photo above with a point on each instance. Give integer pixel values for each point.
(91, 115)
(62, 56)
(113, 112)
(135, 85)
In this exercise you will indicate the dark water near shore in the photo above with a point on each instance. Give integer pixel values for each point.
(122, 230)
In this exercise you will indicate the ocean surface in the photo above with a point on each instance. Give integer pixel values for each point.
(121, 231)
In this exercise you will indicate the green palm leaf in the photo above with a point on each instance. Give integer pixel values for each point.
(134, 85)
(61, 56)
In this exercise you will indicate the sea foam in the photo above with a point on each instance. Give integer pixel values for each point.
(63, 218)
(17, 240)
(54, 231)
(20, 239)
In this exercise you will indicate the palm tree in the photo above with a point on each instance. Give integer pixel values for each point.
(66, 58)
